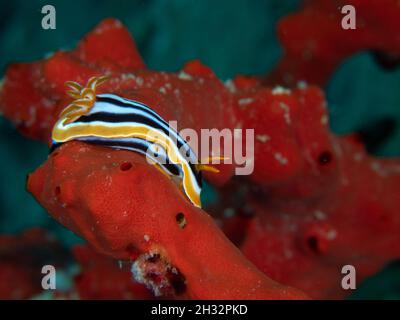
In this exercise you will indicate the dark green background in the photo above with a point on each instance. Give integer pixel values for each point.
(232, 37)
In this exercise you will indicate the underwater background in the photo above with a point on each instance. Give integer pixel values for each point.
(232, 37)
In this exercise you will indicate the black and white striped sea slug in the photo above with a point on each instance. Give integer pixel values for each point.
(112, 121)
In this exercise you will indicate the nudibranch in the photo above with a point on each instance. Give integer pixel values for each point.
(113, 121)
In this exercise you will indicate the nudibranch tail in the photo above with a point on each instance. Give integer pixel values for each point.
(206, 167)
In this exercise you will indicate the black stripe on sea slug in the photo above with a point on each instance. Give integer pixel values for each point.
(142, 107)
(140, 119)
(129, 104)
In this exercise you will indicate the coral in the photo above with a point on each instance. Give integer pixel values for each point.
(313, 53)
(104, 195)
(354, 222)
(314, 199)
(292, 139)
(314, 203)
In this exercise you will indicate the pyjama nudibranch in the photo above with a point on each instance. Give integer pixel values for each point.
(113, 121)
